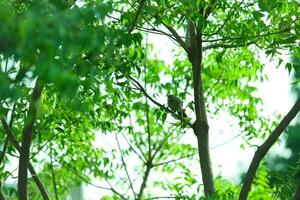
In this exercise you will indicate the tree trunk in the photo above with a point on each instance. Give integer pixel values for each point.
(26, 140)
(200, 127)
(30, 167)
(263, 149)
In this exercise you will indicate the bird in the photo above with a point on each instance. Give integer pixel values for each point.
(176, 104)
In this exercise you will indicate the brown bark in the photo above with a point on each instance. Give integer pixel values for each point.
(145, 179)
(26, 140)
(2, 196)
(141, 3)
(265, 147)
(2, 154)
(34, 175)
(200, 127)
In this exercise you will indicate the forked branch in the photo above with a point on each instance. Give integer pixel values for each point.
(265, 147)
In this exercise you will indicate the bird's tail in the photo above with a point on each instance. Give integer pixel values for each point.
(182, 113)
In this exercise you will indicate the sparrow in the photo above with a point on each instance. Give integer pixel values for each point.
(176, 104)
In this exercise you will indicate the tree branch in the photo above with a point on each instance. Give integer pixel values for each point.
(161, 144)
(223, 45)
(200, 127)
(174, 160)
(213, 46)
(142, 89)
(136, 15)
(26, 140)
(149, 166)
(124, 165)
(53, 176)
(136, 142)
(209, 8)
(45, 144)
(92, 184)
(2, 153)
(131, 147)
(34, 175)
(254, 36)
(1, 194)
(227, 19)
(265, 147)
(177, 37)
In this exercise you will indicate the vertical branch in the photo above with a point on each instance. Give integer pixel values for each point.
(265, 147)
(200, 127)
(34, 175)
(2, 154)
(141, 3)
(53, 176)
(146, 100)
(12, 115)
(1, 194)
(149, 166)
(124, 165)
(148, 132)
(26, 140)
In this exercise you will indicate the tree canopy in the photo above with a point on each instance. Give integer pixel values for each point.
(84, 100)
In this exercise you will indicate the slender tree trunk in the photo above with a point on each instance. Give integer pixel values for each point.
(26, 140)
(38, 182)
(1, 194)
(54, 180)
(263, 149)
(145, 179)
(200, 127)
(34, 175)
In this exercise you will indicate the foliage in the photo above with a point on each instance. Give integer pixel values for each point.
(95, 119)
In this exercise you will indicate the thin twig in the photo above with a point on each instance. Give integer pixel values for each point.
(130, 146)
(141, 3)
(146, 100)
(254, 36)
(162, 143)
(2, 153)
(79, 175)
(175, 160)
(137, 145)
(12, 115)
(151, 198)
(228, 18)
(45, 144)
(193, 154)
(142, 89)
(209, 9)
(125, 166)
(178, 38)
(53, 176)
(213, 46)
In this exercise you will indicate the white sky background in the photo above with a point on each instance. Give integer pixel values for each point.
(229, 159)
